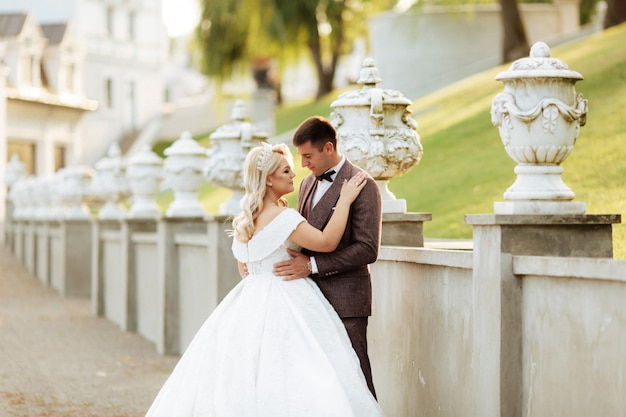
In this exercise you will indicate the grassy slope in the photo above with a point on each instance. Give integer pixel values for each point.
(465, 168)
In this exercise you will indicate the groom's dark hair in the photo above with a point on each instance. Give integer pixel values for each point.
(316, 130)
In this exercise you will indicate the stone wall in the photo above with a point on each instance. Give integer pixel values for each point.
(427, 49)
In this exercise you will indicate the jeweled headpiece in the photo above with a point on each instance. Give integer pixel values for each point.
(265, 156)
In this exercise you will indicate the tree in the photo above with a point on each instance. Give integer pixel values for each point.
(615, 13)
(514, 43)
(234, 32)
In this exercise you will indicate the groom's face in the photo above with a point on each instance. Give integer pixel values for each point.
(314, 159)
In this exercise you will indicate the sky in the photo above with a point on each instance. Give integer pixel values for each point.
(180, 16)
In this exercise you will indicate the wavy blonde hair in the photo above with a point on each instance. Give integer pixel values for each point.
(260, 162)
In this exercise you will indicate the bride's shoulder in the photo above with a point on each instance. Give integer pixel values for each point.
(292, 214)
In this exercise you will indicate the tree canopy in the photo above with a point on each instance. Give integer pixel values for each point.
(236, 32)
(235, 35)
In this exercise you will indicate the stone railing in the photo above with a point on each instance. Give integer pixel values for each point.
(529, 322)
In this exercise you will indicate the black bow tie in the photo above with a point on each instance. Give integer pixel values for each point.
(326, 176)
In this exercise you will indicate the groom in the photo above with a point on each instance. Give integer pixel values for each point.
(343, 276)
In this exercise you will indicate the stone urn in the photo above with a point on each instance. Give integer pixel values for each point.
(539, 116)
(144, 175)
(109, 184)
(17, 196)
(14, 171)
(183, 172)
(376, 132)
(230, 144)
(74, 188)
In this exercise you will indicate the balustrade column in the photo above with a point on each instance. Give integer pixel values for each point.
(539, 116)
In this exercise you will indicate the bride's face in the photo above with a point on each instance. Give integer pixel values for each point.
(281, 180)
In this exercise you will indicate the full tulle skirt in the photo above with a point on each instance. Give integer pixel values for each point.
(272, 348)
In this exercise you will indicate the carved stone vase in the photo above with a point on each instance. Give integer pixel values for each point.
(144, 175)
(183, 171)
(376, 132)
(539, 116)
(109, 184)
(230, 144)
(14, 171)
(74, 188)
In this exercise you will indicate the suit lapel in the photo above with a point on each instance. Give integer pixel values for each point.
(307, 188)
(323, 210)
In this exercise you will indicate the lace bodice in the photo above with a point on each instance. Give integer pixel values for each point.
(270, 244)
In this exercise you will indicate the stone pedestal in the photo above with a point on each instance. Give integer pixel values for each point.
(575, 235)
(404, 229)
(497, 292)
(74, 258)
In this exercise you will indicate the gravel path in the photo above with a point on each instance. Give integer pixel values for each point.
(58, 360)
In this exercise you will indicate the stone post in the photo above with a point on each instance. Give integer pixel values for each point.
(73, 258)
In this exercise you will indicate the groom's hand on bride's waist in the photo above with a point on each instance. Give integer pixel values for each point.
(298, 267)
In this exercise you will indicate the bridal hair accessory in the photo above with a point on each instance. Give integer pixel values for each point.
(265, 156)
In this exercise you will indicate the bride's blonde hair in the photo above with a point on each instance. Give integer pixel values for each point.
(259, 163)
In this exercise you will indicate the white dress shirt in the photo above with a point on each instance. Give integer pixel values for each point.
(320, 190)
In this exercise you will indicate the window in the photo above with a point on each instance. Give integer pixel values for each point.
(27, 76)
(69, 78)
(108, 93)
(110, 18)
(26, 153)
(59, 157)
(132, 25)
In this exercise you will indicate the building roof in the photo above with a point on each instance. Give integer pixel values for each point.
(54, 32)
(11, 24)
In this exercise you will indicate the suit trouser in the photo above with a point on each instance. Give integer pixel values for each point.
(357, 331)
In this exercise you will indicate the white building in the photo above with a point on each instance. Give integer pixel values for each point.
(118, 50)
(76, 75)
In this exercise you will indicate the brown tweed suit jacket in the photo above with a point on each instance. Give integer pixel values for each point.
(344, 276)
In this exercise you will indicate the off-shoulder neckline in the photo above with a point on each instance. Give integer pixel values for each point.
(268, 224)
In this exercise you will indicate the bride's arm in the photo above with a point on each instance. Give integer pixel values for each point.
(243, 269)
(327, 240)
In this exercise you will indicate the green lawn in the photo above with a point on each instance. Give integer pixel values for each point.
(465, 168)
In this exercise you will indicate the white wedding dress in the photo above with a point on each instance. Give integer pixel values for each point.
(272, 348)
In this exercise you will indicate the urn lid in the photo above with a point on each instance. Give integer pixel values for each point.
(239, 128)
(538, 65)
(185, 146)
(145, 157)
(369, 78)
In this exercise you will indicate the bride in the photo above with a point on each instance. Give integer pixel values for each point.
(272, 348)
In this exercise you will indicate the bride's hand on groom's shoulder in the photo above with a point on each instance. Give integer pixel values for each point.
(350, 189)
